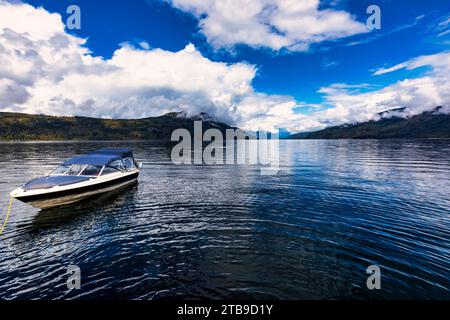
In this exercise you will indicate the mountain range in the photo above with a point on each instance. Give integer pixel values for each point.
(391, 124)
(20, 126)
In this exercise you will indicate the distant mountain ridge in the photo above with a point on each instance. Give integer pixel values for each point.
(430, 124)
(27, 127)
(20, 126)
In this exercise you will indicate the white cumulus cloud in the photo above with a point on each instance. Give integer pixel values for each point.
(350, 104)
(275, 24)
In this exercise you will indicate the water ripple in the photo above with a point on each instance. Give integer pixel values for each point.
(226, 232)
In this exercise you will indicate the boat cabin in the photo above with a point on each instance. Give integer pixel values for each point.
(98, 163)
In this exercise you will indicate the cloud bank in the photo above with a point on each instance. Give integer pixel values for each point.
(274, 24)
(43, 69)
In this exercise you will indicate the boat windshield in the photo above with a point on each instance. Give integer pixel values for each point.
(77, 170)
(129, 164)
(118, 165)
(91, 170)
(60, 170)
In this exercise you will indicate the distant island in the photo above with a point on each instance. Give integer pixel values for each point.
(431, 124)
(27, 127)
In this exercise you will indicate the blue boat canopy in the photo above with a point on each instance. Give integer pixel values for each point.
(94, 159)
(101, 157)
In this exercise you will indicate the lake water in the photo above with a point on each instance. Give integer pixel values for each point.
(225, 231)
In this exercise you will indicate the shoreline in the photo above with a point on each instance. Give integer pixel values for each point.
(168, 140)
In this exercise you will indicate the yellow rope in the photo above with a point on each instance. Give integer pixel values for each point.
(7, 216)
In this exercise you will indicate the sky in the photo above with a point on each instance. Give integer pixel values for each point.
(292, 65)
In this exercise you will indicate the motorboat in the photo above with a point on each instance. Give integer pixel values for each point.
(81, 177)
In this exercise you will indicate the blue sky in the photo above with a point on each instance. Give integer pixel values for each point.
(312, 77)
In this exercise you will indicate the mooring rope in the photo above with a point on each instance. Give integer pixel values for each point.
(7, 216)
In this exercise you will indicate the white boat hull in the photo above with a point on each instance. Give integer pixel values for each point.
(59, 196)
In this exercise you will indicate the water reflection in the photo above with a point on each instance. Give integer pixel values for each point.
(48, 218)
